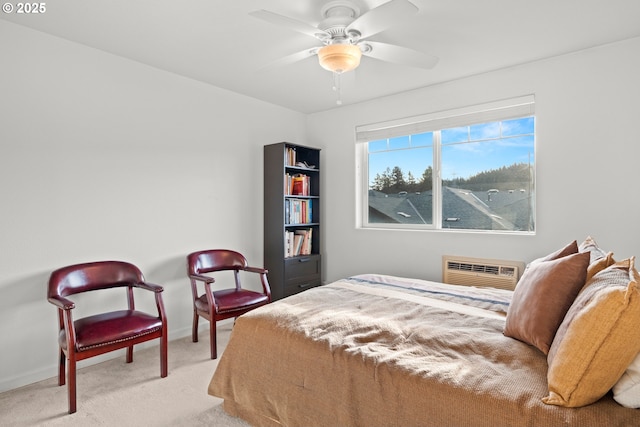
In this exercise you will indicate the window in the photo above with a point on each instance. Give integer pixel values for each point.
(469, 169)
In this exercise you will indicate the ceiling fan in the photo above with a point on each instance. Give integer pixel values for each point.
(344, 36)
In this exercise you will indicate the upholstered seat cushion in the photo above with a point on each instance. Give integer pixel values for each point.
(107, 328)
(232, 300)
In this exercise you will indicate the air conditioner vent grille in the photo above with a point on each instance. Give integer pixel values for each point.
(478, 268)
(481, 272)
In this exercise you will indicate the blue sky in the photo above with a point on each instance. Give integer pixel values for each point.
(492, 145)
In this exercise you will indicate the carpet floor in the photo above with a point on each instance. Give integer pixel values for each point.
(115, 393)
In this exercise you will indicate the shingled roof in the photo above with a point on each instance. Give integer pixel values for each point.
(462, 209)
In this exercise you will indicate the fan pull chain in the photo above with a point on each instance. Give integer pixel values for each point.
(337, 87)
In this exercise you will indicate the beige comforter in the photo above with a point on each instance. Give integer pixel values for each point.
(384, 351)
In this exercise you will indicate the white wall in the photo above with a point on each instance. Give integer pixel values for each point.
(588, 149)
(105, 158)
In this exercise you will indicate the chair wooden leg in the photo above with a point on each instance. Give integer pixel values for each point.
(130, 354)
(212, 338)
(163, 356)
(194, 331)
(62, 361)
(72, 385)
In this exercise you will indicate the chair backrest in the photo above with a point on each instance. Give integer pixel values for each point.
(91, 276)
(215, 260)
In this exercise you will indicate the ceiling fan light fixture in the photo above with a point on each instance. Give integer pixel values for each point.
(339, 58)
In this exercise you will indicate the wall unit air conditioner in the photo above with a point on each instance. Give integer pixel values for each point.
(494, 273)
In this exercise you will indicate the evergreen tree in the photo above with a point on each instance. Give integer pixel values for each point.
(426, 180)
(411, 182)
(393, 180)
(397, 180)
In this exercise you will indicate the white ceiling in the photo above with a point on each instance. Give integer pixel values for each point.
(217, 42)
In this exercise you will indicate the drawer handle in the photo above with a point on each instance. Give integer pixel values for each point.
(304, 259)
(304, 285)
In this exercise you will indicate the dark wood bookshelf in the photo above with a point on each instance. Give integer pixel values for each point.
(289, 275)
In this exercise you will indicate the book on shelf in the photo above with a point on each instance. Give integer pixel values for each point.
(287, 243)
(290, 244)
(298, 242)
(300, 185)
(305, 244)
(298, 211)
(290, 156)
(297, 185)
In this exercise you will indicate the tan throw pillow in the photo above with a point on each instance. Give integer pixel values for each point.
(542, 297)
(600, 264)
(590, 245)
(598, 338)
(600, 259)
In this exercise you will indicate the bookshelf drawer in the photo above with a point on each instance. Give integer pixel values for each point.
(294, 288)
(301, 268)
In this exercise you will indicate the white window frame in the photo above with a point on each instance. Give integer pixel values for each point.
(433, 122)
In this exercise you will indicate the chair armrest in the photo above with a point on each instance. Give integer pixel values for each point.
(263, 279)
(256, 270)
(62, 303)
(206, 279)
(149, 286)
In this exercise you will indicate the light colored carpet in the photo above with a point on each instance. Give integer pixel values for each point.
(115, 393)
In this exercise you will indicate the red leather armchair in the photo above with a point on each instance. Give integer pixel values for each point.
(224, 303)
(104, 332)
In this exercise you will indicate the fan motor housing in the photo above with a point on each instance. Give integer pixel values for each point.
(337, 16)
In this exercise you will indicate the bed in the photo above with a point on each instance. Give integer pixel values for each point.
(378, 350)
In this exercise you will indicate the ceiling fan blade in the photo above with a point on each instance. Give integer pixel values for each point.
(398, 54)
(291, 23)
(382, 17)
(290, 59)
